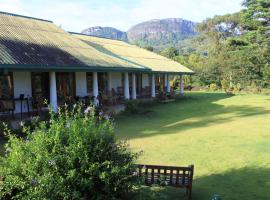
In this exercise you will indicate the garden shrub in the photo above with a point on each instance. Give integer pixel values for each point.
(74, 156)
(213, 87)
(132, 106)
(224, 85)
(2, 129)
(265, 91)
(237, 87)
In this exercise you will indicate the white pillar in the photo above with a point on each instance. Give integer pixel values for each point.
(168, 84)
(95, 87)
(134, 95)
(153, 86)
(53, 92)
(181, 85)
(126, 87)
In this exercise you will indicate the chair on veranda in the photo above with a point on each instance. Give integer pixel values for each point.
(120, 92)
(38, 103)
(114, 97)
(104, 99)
(7, 106)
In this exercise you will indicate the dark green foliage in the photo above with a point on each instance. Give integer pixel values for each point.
(149, 48)
(132, 107)
(170, 52)
(233, 47)
(76, 157)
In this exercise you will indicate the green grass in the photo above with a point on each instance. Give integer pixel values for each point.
(227, 138)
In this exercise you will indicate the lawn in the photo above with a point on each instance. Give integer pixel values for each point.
(227, 138)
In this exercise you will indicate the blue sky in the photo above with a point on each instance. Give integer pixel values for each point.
(122, 14)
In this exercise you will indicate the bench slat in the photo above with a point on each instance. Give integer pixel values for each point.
(174, 176)
(177, 177)
(152, 176)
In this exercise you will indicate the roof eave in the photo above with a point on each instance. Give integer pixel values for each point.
(58, 68)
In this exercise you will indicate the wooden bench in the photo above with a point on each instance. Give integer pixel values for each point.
(181, 177)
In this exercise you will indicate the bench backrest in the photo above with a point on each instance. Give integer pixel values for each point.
(166, 175)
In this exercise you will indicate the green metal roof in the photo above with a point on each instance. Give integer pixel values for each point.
(134, 54)
(31, 43)
(28, 43)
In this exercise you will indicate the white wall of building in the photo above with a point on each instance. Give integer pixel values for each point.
(22, 85)
(116, 80)
(145, 80)
(81, 84)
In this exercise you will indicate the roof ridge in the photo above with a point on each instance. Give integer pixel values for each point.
(76, 33)
(23, 16)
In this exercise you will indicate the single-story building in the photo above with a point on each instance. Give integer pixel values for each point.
(39, 60)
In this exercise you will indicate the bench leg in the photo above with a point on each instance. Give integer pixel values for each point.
(189, 191)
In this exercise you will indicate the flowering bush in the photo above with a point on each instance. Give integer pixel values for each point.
(225, 85)
(73, 156)
(213, 87)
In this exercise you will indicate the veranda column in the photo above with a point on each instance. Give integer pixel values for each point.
(126, 87)
(181, 85)
(95, 88)
(134, 95)
(165, 81)
(53, 92)
(168, 84)
(153, 86)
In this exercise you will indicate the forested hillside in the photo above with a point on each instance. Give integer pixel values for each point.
(230, 50)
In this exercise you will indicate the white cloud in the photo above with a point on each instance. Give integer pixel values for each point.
(13, 6)
(80, 14)
(195, 10)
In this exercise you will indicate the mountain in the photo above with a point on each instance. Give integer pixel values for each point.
(106, 32)
(159, 33)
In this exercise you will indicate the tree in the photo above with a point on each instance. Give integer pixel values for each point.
(149, 48)
(74, 156)
(170, 52)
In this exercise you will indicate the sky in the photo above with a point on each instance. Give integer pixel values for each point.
(77, 15)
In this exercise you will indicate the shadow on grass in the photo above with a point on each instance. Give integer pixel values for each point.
(198, 110)
(245, 183)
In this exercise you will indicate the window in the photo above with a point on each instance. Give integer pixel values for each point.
(89, 81)
(6, 86)
(138, 83)
(40, 85)
(103, 82)
(65, 83)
